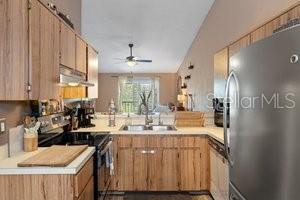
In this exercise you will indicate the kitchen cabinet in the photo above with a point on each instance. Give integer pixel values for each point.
(161, 163)
(194, 167)
(124, 164)
(34, 42)
(81, 55)
(92, 75)
(140, 171)
(14, 50)
(49, 187)
(221, 62)
(67, 46)
(44, 52)
(237, 46)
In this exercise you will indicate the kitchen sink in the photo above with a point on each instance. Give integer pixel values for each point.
(148, 128)
(133, 128)
(162, 128)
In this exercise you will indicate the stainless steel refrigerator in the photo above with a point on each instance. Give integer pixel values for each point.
(263, 137)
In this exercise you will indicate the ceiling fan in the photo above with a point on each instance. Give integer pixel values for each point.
(132, 60)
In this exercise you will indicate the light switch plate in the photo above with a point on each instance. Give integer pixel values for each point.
(2, 126)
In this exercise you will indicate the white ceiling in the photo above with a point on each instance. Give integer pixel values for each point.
(161, 30)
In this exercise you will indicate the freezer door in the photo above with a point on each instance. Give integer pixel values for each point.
(264, 133)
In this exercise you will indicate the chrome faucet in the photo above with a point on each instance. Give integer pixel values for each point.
(160, 122)
(148, 120)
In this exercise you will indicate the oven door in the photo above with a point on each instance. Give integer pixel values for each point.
(104, 177)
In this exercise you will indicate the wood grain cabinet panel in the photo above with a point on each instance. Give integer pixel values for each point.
(237, 46)
(44, 52)
(83, 177)
(162, 163)
(14, 50)
(190, 169)
(92, 72)
(67, 46)
(88, 192)
(163, 170)
(140, 170)
(81, 55)
(125, 169)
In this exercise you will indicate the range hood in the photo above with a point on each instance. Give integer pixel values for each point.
(68, 77)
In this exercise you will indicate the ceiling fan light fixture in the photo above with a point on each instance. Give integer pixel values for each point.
(131, 63)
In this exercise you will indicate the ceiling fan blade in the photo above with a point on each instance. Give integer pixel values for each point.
(146, 61)
(120, 59)
(120, 62)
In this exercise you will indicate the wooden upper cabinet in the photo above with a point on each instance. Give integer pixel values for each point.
(258, 34)
(67, 46)
(44, 52)
(13, 50)
(81, 55)
(237, 46)
(92, 72)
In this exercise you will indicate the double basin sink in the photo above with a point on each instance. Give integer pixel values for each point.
(148, 128)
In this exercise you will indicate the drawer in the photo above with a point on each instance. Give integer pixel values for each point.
(163, 142)
(193, 142)
(124, 141)
(139, 142)
(82, 178)
(88, 191)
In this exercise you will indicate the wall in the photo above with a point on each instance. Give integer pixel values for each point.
(108, 88)
(71, 8)
(226, 22)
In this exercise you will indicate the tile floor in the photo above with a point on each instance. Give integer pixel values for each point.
(162, 197)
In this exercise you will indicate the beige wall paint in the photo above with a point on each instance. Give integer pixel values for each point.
(226, 22)
(108, 88)
(69, 7)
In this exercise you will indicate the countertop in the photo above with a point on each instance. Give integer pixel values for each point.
(9, 166)
(101, 126)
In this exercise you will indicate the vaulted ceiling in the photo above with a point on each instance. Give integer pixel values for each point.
(161, 30)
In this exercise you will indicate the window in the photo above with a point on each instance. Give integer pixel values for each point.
(130, 89)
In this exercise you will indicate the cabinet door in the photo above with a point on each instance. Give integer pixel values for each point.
(237, 46)
(163, 170)
(81, 56)
(258, 34)
(67, 46)
(190, 169)
(44, 53)
(140, 169)
(93, 72)
(125, 169)
(14, 50)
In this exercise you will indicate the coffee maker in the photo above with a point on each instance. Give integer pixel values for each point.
(84, 117)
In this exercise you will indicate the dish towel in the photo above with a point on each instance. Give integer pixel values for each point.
(110, 160)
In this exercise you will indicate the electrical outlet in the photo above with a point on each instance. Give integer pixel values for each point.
(2, 126)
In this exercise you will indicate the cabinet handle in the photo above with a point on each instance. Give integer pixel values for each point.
(148, 152)
(152, 152)
(143, 152)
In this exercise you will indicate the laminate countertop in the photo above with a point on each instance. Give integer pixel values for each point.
(9, 166)
(101, 126)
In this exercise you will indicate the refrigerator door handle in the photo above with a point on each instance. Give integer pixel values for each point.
(232, 75)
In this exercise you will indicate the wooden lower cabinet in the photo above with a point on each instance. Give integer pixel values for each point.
(140, 161)
(163, 170)
(124, 179)
(49, 187)
(156, 163)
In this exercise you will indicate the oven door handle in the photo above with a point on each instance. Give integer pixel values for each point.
(106, 148)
